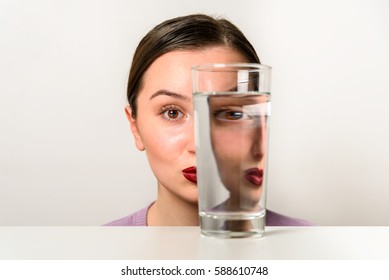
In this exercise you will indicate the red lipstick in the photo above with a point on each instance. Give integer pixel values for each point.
(254, 176)
(190, 174)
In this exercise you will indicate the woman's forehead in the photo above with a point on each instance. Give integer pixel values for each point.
(189, 58)
(172, 71)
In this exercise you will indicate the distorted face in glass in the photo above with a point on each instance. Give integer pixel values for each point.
(239, 139)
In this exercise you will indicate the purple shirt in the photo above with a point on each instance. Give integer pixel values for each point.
(272, 219)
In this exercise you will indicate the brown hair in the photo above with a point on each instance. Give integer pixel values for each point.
(183, 33)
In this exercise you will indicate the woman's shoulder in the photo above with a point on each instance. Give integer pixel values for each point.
(276, 219)
(138, 218)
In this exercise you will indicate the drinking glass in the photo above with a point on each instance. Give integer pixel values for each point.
(232, 113)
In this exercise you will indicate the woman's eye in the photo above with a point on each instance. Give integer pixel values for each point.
(231, 115)
(172, 114)
(234, 115)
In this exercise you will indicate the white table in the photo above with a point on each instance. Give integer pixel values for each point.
(114, 243)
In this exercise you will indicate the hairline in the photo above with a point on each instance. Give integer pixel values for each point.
(188, 48)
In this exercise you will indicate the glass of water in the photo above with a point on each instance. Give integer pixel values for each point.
(232, 113)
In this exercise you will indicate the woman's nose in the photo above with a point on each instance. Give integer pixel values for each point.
(191, 146)
(258, 147)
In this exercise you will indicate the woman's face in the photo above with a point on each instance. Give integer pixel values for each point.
(164, 125)
(238, 137)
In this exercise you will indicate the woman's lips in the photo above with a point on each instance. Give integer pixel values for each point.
(254, 176)
(190, 174)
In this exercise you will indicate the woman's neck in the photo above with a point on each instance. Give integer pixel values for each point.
(171, 210)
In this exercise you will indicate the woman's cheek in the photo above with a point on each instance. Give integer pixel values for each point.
(168, 140)
(226, 144)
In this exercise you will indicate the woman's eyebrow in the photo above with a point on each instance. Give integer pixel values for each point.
(171, 94)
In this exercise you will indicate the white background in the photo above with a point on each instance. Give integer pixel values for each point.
(66, 153)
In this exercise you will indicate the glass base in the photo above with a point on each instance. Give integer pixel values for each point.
(236, 226)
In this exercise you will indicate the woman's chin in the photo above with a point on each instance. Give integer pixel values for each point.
(191, 197)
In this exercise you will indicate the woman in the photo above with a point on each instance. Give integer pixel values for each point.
(160, 111)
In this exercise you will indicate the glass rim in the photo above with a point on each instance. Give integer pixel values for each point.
(230, 66)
